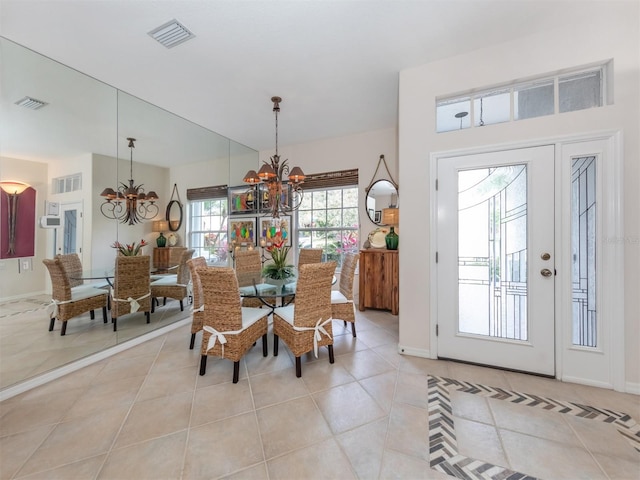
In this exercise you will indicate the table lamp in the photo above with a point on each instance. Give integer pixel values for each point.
(391, 217)
(160, 226)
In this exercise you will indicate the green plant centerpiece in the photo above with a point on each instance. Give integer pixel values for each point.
(129, 250)
(278, 269)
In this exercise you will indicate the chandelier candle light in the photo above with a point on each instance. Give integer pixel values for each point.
(129, 204)
(272, 173)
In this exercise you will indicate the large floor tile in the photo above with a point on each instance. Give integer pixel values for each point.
(364, 447)
(221, 401)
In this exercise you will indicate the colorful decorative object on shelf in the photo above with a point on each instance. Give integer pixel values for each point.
(129, 250)
(161, 226)
(391, 217)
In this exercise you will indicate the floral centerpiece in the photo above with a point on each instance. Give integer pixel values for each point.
(129, 250)
(278, 269)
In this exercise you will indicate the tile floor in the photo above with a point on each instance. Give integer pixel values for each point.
(145, 413)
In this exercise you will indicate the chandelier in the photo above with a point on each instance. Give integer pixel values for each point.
(280, 196)
(129, 204)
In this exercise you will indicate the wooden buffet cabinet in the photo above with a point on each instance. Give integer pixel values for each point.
(165, 257)
(378, 277)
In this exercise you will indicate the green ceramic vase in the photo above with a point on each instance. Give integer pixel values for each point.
(391, 240)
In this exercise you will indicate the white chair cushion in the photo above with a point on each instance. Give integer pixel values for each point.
(85, 291)
(286, 313)
(252, 315)
(338, 297)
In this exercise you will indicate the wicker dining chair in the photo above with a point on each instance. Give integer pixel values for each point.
(197, 308)
(68, 302)
(174, 286)
(306, 325)
(309, 255)
(342, 306)
(131, 290)
(249, 272)
(73, 267)
(229, 329)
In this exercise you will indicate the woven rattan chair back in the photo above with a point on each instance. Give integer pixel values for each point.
(174, 255)
(309, 255)
(248, 267)
(73, 267)
(184, 274)
(198, 297)
(313, 293)
(60, 287)
(131, 280)
(222, 302)
(349, 262)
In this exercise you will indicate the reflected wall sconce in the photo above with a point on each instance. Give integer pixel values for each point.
(13, 191)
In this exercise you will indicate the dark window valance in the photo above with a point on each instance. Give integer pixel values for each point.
(206, 193)
(340, 178)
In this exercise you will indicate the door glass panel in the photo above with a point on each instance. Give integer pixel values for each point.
(70, 229)
(492, 252)
(583, 241)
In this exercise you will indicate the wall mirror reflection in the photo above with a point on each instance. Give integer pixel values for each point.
(382, 194)
(81, 132)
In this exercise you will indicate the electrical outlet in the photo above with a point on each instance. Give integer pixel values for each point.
(25, 264)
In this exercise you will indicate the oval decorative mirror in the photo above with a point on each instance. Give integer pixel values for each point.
(382, 194)
(173, 215)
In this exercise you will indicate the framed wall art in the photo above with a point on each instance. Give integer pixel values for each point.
(242, 200)
(242, 232)
(271, 227)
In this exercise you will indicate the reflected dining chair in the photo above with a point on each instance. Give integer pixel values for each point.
(342, 306)
(197, 309)
(67, 301)
(131, 290)
(306, 325)
(249, 272)
(73, 267)
(174, 286)
(309, 255)
(229, 329)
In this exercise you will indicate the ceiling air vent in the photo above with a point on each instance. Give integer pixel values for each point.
(171, 34)
(31, 103)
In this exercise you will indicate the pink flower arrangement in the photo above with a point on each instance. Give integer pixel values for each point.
(129, 250)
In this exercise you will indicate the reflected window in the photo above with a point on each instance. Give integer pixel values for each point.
(208, 230)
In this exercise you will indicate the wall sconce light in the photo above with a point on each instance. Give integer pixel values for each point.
(13, 191)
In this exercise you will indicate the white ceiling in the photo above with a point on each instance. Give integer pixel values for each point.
(334, 63)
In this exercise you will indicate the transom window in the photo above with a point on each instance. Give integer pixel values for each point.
(548, 95)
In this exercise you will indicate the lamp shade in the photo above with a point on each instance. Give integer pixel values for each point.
(14, 188)
(160, 226)
(390, 216)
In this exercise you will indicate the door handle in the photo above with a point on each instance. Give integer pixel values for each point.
(545, 272)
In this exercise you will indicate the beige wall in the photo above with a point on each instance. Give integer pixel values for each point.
(13, 281)
(612, 35)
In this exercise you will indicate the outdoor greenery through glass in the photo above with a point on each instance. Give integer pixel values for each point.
(208, 229)
(328, 219)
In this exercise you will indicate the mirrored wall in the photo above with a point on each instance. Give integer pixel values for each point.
(82, 128)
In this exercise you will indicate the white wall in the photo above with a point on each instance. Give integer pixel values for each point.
(612, 34)
(13, 282)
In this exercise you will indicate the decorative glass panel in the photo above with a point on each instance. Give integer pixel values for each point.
(577, 92)
(70, 232)
(492, 252)
(533, 100)
(583, 241)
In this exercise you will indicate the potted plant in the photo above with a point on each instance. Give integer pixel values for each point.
(129, 250)
(278, 271)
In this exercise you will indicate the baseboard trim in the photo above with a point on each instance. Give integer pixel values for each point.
(632, 387)
(414, 352)
(34, 382)
(586, 381)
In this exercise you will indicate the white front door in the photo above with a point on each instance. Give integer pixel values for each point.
(496, 262)
(69, 235)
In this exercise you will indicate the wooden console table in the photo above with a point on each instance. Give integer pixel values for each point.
(378, 280)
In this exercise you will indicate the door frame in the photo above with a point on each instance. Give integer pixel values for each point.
(59, 240)
(611, 276)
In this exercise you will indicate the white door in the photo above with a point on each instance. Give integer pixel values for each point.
(69, 235)
(495, 265)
